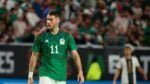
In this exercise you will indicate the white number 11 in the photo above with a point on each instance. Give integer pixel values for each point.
(54, 49)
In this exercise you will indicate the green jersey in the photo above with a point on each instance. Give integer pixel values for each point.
(54, 51)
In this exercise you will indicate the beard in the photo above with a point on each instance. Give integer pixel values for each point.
(50, 27)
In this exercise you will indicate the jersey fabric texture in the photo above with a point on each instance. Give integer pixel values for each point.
(54, 50)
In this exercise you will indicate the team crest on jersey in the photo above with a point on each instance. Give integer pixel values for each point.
(62, 41)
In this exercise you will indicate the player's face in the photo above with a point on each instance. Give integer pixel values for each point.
(127, 51)
(52, 21)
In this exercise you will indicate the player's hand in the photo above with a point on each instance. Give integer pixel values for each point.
(114, 82)
(145, 77)
(80, 77)
(30, 81)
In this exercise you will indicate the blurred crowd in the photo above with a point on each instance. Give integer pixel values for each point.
(102, 22)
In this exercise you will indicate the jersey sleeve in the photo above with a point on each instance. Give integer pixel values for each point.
(72, 45)
(137, 62)
(119, 65)
(36, 45)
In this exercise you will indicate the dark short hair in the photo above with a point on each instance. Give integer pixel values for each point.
(55, 13)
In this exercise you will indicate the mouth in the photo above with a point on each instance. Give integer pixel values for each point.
(48, 25)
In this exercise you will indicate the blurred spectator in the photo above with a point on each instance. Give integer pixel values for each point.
(100, 12)
(6, 35)
(3, 12)
(2, 27)
(70, 8)
(127, 5)
(30, 34)
(99, 30)
(24, 5)
(121, 22)
(71, 27)
(19, 27)
(12, 15)
(147, 34)
(32, 17)
(48, 6)
(37, 7)
(10, 4)
(111, 36)
(139, 22)
(135, 35)
(86, 30)
(67, 9)
(116, 6)
(146, 13)
(137, 10)
(18, 10)
(90, 21)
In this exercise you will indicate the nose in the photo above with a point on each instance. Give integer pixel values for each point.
(48, 24)
(48, 21)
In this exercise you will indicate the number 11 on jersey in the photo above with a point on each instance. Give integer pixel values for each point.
(54, 49)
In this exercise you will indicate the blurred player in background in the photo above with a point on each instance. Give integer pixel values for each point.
(128, 65)
(94, 72)
(53, 47)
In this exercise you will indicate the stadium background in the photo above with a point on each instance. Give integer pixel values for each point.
(100, 28)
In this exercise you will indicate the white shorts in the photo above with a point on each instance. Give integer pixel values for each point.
(47, 80)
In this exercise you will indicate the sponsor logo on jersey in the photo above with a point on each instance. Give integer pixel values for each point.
(62, 41)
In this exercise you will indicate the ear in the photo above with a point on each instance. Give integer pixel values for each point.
(58, 20)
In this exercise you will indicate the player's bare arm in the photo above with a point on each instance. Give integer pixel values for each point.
(117, 73)
(32, 65)
(140, 69)
(77, 61)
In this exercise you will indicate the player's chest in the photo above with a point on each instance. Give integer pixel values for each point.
(53, 42)
(130, 63)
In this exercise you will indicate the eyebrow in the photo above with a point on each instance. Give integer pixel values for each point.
(49, 19)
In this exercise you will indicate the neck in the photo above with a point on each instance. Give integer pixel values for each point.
(128, 56)
(55, 30)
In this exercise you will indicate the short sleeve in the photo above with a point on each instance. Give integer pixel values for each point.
(72, 45)
(36, 45)
(137, 62)
(119, 66)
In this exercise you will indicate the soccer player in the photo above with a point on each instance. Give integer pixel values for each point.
(128, 65)
(53, 46)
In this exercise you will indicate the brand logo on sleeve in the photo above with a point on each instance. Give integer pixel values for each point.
(62, 41)
(46, 41)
